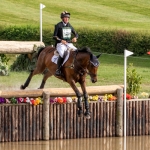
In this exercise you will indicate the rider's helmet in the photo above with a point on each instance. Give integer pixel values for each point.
(65, 14)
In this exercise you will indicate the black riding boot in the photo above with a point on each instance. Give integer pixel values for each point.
(59, 63)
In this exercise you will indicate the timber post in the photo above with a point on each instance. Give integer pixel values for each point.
(119, 113)
(46, 95)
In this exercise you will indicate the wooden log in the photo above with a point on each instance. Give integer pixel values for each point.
(51, 121)
(64, 128)
(23, 122)
(101, 121)
(41, 122)
(54, 122)
(110, 118)
(143, 118)
(6, 124)
(104, 117)
(119, 113)
(19, 47)
(114, 119)
(136, 118)
(46, 96)
(133, 118)
(30, 123)
(91, 120)
(2, 124)
(61, 121)
(94, 119)
(57, 121)
(140, 118)
(130, 118)
(27, 123)
(127, 116)
(107, 119)
(9, 123)
(92, 90)
(146, 117)
(74, 120)
(97, 120)
(67, 120)
(71, 120)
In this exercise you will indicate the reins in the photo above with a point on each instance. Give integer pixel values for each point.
(72, 66)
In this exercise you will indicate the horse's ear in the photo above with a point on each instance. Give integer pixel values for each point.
(98, 55)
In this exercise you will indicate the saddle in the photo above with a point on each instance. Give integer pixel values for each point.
(66, 56)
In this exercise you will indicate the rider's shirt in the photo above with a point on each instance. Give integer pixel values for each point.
(63, 32)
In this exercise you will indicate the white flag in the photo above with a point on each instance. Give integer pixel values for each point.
(42, 6)
(127, 53)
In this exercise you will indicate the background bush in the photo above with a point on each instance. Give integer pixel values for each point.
(106, 41)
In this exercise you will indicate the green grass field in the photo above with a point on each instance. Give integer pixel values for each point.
(111, 71)
(96, 14)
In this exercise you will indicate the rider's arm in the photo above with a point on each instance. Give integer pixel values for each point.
(55, 37)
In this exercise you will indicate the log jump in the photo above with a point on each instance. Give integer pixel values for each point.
(19, 47)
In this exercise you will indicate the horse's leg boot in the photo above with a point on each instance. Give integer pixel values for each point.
(59, 64)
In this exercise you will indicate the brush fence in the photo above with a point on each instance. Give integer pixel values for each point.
(24, 122)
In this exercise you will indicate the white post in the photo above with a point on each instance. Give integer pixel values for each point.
(126, 54)
(41, 7)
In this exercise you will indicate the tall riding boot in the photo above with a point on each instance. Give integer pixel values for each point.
(59, 64)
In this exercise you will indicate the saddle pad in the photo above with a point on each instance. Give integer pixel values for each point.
(55, 58)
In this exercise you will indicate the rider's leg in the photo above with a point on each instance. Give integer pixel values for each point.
(61, 48)
(59, 64)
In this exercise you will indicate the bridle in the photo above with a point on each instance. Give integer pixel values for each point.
(83, 70)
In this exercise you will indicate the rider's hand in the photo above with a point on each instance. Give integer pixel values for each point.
(74, 39)
(63, 42)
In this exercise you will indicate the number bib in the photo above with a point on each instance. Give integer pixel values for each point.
(66, 32)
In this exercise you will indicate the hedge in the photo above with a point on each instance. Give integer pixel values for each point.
(105, 41)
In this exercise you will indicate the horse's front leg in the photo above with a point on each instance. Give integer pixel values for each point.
(87, 112)
(79, 96)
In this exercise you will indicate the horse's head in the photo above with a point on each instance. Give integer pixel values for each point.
(93, 67)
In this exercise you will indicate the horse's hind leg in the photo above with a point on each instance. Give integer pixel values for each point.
(27, 81)
(47, 74)
(32, 73)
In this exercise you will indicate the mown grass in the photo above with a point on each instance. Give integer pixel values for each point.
(106, 14)
(111, 71)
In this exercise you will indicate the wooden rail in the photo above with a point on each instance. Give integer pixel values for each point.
(19, 47)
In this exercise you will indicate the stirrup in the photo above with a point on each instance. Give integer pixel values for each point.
(58, 72)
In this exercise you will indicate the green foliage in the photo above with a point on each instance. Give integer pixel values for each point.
(23, 33)
(4, 70)
(21, 63)
(133, 81)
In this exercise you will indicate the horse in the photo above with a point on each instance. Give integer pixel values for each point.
(79, 64)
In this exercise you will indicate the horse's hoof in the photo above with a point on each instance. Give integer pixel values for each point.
(22, 87)
(80, 113)
(87, 115)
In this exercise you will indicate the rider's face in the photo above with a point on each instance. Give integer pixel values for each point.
(65, 20)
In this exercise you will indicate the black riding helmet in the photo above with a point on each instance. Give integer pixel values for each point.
(65, 14)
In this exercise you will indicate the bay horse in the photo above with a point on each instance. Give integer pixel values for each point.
(79, 64)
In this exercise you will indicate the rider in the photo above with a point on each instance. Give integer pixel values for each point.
(62, 35)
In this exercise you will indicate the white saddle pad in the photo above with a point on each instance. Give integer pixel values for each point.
(55, 58)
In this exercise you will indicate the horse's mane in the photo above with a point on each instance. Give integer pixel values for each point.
(85, 50)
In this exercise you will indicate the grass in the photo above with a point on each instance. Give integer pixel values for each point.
(111, 71)
(105, 14)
